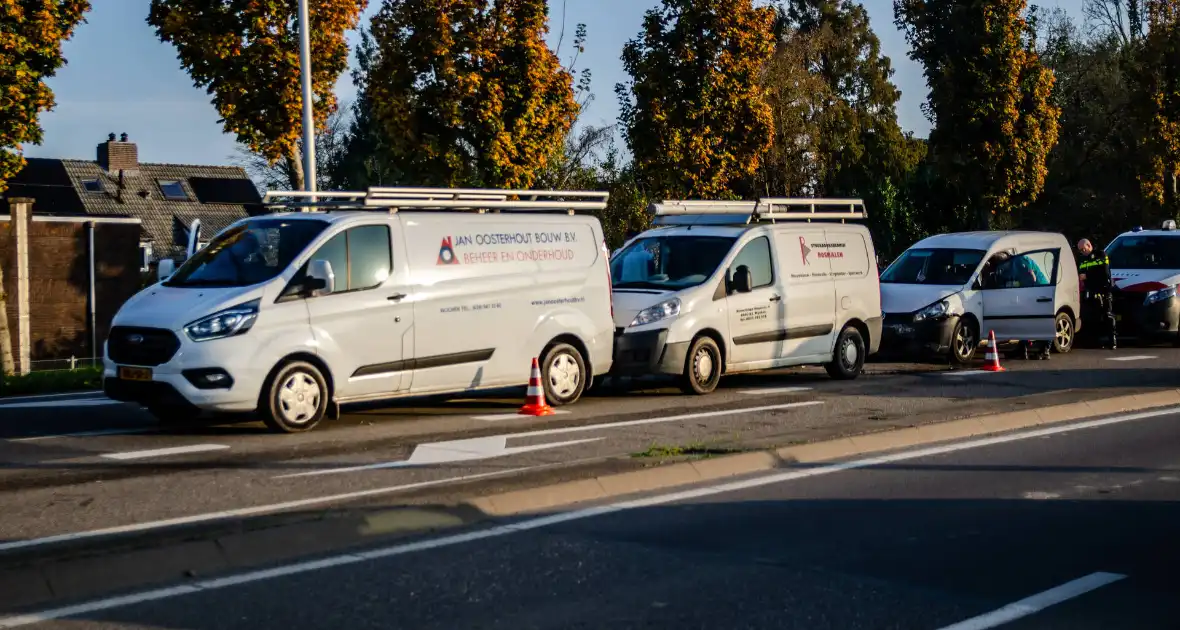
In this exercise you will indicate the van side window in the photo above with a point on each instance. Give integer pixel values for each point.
(1034, 269)
(756, 256)
(360, 257)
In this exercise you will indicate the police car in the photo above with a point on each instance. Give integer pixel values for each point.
(1145, 268)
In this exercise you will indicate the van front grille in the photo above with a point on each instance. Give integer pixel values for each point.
(141, 346)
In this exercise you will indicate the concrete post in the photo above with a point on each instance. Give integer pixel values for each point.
(21, 212)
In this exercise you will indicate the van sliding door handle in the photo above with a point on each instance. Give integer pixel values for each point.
(1044, 299)
(776, 298)
(396, 297)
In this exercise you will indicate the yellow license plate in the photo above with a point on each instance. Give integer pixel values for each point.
(135, 374)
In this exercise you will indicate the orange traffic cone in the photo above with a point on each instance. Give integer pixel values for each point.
(534, 400)
(993, 354)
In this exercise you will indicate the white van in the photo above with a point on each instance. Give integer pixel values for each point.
(369, 296)
(947, 292)
(725, 287)
(1145, 268)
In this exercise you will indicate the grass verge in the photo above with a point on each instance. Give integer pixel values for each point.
(51, 382)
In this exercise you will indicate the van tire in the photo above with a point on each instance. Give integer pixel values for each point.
(702, 367)
(563, 374)
(1064, 333)
(964, 342)
(295, 399)
(848, 357)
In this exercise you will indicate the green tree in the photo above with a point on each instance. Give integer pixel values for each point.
(245, 53)
(31, 35)
(694, 114)
(989, 102)
(466, 92)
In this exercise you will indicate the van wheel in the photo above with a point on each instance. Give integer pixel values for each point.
(1064, 336)
(964, 342)
(702, 367)
(563, 373)
(848, 359)
(295, 398)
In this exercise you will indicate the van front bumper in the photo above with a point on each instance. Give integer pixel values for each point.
(647, 352)
(182, 380)
(901, 335)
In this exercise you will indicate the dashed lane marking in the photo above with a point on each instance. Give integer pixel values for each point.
(1137, 357)
(1038, 602)
(164, 452)
(496, 417)
(769, 391)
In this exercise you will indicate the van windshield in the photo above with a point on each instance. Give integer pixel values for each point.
(247, 254)
(934, 266)
(668, 263)
(1145, 252)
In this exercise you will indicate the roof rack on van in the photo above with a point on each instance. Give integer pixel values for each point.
(477, 199)
(769, 209)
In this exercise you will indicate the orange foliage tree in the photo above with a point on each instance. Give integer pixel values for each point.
(31, 34)
(466, 92)
(695, 113)
(1159, 79)
(245, 53)
(993, 120)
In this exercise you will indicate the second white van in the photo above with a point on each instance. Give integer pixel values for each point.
(723, 287)
(368, 296)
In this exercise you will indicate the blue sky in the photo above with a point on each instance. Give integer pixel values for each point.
(119, 78)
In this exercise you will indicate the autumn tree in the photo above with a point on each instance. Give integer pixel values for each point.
(245, 54)
(989, 102)
(466, 92)
(695, 114)
(31, 35)
(1158, 78)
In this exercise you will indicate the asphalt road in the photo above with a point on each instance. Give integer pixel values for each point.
(54, 484)
(1076, 526)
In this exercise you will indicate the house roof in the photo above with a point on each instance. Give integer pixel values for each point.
(217, 195)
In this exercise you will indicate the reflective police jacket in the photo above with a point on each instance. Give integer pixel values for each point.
(1096, 266)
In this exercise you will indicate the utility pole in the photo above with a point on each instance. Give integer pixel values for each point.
(309, 176)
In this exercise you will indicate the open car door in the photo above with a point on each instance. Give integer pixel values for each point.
(1019, 296)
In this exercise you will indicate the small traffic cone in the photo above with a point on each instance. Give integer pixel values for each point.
(993, 354)
(534, 400)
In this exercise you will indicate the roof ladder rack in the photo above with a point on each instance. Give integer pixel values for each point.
(465, 199)
(769, 209)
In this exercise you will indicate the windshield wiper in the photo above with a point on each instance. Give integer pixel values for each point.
(224, 282)
(638, 285)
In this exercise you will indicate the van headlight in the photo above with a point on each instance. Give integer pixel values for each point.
(1160, 296)
(663, 310)
(934, 311)
(235, 320)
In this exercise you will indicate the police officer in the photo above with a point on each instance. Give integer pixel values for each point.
(1097, 300)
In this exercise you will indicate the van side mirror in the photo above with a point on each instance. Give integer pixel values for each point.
(742, 279)
(165, 268)
(320, 278)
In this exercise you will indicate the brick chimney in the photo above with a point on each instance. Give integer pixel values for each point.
(118, 155)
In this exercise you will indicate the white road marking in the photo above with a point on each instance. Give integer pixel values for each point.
(965, 372)
(1041, 496)
(471, 449)
(1038, 602)
(767, 391)
(1138, 357)
(91, 394)
(96, 433)
(496, 445)
(164, 452)
(495, 417)
(534, 523)
(240, 512)
(68, 402)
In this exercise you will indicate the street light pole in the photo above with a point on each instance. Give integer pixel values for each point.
(309, 177)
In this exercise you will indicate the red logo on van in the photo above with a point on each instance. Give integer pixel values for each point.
(804, 248)
(446, 253)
